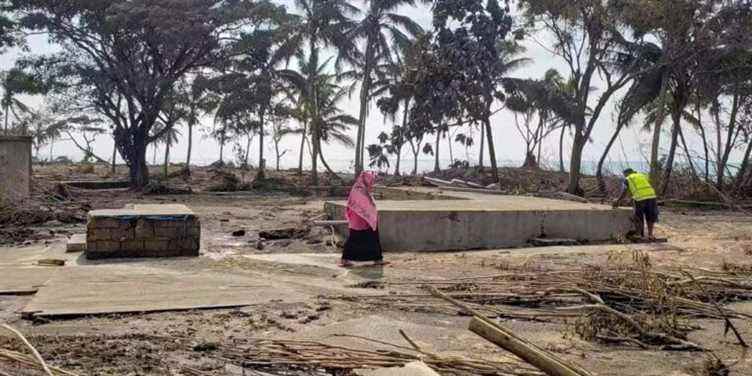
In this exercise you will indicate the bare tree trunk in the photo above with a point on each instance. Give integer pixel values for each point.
(399, 158)
(262, 163)
(436, 166)
(671, 155)
(276, 152)
(52, 143)
(315, 154)
(114, 158)
(190, 146)
(132, 146)
(689, 156)
(575, 163)
(491, 149)
(6, 119)
(326, 165)
(704, 137)
(166, 160)
(482, 145)
(247, 150)
(656, 143)
(561, 149)
(741, 175)
(599, 172)
(302, 148)
(451, 152)
(222, 150)
(365, 89)
(541, 124)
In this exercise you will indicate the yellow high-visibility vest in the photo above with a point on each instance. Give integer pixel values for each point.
(639, 187)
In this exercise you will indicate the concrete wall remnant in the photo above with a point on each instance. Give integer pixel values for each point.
(483, 221)
(15, 168)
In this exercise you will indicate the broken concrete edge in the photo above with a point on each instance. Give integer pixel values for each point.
(31, 315)
(19, 292)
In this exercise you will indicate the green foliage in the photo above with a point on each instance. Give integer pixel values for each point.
(124, 57)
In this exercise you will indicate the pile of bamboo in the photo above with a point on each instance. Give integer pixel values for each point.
(267, 354)
(631, 303)
(33, 361)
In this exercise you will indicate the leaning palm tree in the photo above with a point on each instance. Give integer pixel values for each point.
(380, 30)
(332, 123)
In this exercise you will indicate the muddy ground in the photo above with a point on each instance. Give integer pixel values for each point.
(169, 343)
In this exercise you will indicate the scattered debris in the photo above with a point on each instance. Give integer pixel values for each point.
(550, 242)
(284, 233)
(629, 303)
(274, 355)
(547, 362)
(51, 262)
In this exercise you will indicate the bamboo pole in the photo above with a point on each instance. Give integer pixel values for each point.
(529, 352)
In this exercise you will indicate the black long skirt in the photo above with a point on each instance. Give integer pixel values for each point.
(362, 245)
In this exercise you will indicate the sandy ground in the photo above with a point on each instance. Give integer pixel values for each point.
(164, 343)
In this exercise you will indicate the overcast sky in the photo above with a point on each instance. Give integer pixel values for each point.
(633, 145)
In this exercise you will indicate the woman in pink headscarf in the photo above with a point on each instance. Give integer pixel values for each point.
(362, 217)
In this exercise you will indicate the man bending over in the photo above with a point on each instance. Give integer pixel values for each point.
(645, 204)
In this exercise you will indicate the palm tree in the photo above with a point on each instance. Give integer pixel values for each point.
(380, 31)
(168, 136)
(199, 100)
(323, 23)
(10, 104)
(319, 96)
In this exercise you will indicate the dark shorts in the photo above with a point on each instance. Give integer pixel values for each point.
(647, 210)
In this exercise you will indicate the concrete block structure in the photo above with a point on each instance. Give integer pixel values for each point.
(15, 168)
(481, 221)
(143, 231)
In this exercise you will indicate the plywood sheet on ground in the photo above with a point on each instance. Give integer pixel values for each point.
(89, 290)
(23, 280)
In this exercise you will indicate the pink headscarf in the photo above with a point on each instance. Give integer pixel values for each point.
(361, 211)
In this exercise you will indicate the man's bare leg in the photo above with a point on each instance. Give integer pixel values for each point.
(651, 225)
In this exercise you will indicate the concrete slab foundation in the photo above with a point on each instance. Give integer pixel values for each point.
(143, 231)
(15, 168)
(23, 280)
(479, 221)
(107, 289)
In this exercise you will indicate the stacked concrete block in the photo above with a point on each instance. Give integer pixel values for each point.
(143, 231)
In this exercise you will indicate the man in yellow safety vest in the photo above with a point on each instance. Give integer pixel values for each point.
(645, 204)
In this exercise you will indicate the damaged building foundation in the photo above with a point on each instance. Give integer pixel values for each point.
(486, 221)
